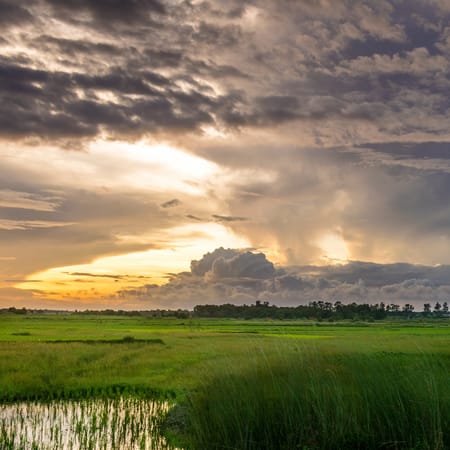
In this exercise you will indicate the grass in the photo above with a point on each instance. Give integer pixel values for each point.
(308, 400)
(263, 384)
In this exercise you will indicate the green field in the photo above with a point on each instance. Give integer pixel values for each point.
(246, 384)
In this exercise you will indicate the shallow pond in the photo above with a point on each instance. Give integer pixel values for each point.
(119, 424)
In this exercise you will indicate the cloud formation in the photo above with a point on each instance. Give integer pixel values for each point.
(191, 65)
(107, 11)
(311, 130)
(229, 263)
(243, 277)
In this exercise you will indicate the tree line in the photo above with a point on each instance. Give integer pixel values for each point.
(316, 310)
(319, 310)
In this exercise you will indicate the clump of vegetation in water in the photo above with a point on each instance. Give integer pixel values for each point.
(315, 401)
(120, 423)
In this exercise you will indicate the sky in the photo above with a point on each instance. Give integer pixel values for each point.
(168, 153)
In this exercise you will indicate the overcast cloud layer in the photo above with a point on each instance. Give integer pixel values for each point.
(313, 131)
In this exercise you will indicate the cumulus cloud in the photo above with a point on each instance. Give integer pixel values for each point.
(242, 277)
(243, 265)
(205, 264)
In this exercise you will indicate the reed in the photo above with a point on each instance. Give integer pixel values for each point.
(318, 401)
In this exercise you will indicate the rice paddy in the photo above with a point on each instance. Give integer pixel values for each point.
(97, 382)
(94, 424)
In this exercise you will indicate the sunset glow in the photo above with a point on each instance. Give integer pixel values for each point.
(334, 247)
(295, 150)
(107, 275)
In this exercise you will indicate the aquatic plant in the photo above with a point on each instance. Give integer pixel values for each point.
(123, 423)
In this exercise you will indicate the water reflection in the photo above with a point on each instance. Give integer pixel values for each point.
(119, 424)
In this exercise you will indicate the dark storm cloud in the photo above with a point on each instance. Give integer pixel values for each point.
(163, 58)
(212, 34)
(127, 11)
(72, 47)
(37, 102)
(33, 103)
(257, 64)
(276, 108)
(211, 69)
(424, 150)
(378, 275)
(13, 14)
(118, 80)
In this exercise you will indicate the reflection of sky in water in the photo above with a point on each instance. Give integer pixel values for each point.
(121, 424)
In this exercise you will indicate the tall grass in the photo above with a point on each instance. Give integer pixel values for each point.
(318, 401)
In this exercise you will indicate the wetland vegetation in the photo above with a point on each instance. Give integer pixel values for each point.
(310, 400)
(242, 384)
(99, 424)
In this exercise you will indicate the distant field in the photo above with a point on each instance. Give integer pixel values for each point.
(167, 355)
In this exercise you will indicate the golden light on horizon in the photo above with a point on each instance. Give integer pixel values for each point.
(107, 275)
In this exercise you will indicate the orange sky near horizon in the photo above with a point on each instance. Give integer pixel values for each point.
(136, 137)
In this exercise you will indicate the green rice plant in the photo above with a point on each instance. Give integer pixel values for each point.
(121, 423)
(310, 400)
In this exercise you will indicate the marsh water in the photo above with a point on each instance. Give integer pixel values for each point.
(120, 424)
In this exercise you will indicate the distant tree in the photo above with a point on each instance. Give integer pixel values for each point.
(445, 307)
(426, 309)
(437, 307)
(393, 308)
(15, 310)
(408, 310)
